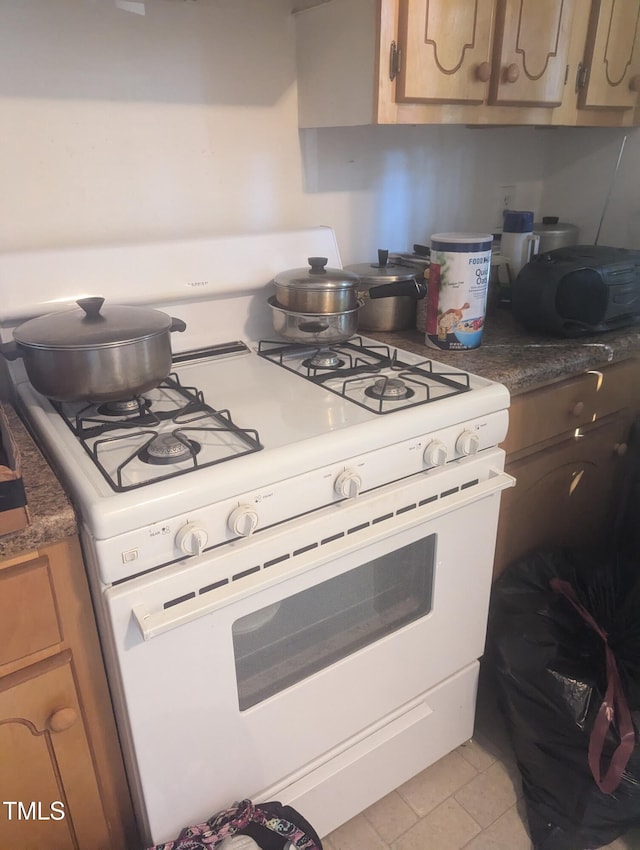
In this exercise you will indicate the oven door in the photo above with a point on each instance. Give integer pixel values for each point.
(239, 670)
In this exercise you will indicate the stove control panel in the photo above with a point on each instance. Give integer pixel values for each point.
(349, 478)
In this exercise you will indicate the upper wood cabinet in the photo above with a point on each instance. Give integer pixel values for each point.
(609, 76)
(446, 50)
(541, 62)
(530, 52)
(513, 52)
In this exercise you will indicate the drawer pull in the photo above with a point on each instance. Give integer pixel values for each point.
(577, 409)
(620, 449)
(62, 719)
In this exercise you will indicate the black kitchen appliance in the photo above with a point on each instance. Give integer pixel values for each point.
(576, 290)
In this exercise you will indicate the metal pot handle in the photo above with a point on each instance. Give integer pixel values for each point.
(410, 288)
(313, 327)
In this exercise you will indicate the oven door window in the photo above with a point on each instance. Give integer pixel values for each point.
(284, 643)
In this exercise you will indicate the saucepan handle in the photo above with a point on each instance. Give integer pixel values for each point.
(410, 288)
(177, 325)
(313, 327)
(10, 350)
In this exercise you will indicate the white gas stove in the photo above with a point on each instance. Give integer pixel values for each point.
(283, 516)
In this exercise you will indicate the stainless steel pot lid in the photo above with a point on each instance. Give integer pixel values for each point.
(92, 326)
(316, 276)
(551, 224)
(371, 274)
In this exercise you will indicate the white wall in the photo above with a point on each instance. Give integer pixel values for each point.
(581, 179)
(182, 122)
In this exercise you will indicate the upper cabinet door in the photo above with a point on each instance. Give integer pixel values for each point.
(530, 52)
(446, 50)
(612, 56)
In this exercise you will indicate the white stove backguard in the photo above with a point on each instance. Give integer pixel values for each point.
(218, 285)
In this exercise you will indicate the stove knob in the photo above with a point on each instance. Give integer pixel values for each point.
(436, 453)
(348, 484)
(192, 538)
(467, 443)
(243, 521)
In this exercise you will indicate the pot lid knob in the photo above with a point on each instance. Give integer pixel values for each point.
(383, 257)
(550, 219)
(318, 264)
(91, 307)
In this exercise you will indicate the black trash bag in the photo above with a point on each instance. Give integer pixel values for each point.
(564, 638)
(271, 825)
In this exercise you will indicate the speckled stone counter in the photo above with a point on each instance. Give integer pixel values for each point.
(523, 360)
(51, 514)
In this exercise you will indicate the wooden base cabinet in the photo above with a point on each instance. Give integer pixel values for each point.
(568, 448)
(61, 775)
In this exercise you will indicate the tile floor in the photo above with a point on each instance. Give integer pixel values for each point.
(470, 799)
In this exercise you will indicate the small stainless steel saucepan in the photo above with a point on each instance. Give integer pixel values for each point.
(314, 328)
(95, 354)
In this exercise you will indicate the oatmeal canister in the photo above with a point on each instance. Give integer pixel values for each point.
(457, 293)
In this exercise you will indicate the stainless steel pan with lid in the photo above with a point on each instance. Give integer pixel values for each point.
(96, 354)
(395, 311)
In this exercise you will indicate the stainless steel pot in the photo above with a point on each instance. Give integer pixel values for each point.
(314, 328)
(321, 290)
(96, 354)
(395, 312)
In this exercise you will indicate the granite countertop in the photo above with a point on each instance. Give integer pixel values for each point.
(52, 517)
(523, 360)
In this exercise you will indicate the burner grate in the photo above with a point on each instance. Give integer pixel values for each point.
(364, 366)
(185, 407)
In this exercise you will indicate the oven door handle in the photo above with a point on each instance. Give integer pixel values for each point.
(153, 624)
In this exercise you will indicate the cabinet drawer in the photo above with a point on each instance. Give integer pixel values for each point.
(550, 411)
(28, 615)
(47, 762)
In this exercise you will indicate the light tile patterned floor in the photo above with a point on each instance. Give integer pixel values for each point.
(470, 799)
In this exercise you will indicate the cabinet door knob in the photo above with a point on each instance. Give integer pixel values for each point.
(620, 449)
(483, 72)
(577, 409)
(634, 83)
(62, 719)
(512, 73)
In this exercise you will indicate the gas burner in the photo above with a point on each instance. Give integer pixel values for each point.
(167, 448)
(122, 408)
(323, 360)
(389, 389)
